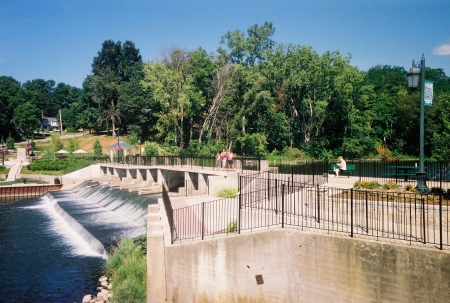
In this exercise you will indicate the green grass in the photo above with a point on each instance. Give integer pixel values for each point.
(126, 268)
(4, 170)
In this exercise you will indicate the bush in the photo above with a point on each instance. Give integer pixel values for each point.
(126, 267)
(366, 185)
(151, 148)
(391, 185)
(232, 227)
(228, 193)
(98, 149)
(294, 153)
(60, 166)
(10, 142)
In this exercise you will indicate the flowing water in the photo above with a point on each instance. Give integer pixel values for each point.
(52, 248)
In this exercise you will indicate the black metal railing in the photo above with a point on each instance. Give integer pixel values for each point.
(380, 215)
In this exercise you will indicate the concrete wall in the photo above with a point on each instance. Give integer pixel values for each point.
(297, 266)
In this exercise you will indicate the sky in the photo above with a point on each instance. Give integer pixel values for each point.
(58, 39)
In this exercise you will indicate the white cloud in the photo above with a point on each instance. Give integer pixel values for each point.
(443, 49)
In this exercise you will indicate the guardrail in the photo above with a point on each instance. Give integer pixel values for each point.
(403, 216)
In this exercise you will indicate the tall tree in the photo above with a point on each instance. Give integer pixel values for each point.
(27, 118)
(115, 64)
(11, 95)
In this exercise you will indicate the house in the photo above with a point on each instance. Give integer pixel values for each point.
(50, 123)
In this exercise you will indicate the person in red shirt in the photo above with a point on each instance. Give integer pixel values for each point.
(230, 159)
(224, 157)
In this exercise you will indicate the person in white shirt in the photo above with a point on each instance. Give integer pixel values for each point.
(342, 166)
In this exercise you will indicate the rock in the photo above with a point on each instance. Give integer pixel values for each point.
(109, 286)
(104, 284)
(86, 299)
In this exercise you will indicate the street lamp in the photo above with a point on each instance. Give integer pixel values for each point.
(140, 147)
(413, 80)
(3, 151)
(118, 145)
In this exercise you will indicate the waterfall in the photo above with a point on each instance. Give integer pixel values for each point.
(102, 215)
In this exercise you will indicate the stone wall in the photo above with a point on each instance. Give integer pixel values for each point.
(285, 265)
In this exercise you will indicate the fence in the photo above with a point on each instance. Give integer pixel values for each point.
(379, 215)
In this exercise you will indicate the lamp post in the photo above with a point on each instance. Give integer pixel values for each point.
(413, 80)
(118, 146)
(3, 151)
(140, 147)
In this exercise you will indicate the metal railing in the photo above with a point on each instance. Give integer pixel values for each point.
(380, 215)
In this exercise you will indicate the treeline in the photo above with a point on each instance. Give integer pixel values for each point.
(253, 95)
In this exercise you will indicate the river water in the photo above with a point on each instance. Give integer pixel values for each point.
(53, 248)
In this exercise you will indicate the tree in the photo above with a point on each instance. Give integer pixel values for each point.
(73, 145)
(115, 64)
(98, 149)
(11, 95)
(172, 88)
(39, 93)
(27, 117)
(55, 143)
(441, 138)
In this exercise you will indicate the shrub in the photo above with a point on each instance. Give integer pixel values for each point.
(127, 269)
(228, 193)
(391, 185)
(151, 148)
(232, 227)
(73, 145)
(366, 185)
(10, 142)
(294, 153)
(409, 187)
(98, 149)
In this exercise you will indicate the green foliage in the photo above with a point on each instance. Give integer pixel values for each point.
(151, 149)
(133, 138)
(409, 187)
(55, 143)
(73, 145)
(61, 167)
(4, 170)
(232, 227)
(252, 145)
(391, 185)
(228, 193)
(204, 149)
(127, 269)
(98, 149)
(366, 185)
(10, 142)
(253, 95)
(70, 130)
(294, 153)
(27, 117)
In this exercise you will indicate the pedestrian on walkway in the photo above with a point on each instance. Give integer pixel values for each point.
(224, 157)
(230, 156)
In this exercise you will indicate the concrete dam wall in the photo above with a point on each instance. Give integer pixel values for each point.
(285, 265)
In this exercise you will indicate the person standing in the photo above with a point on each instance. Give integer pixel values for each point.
(218, 160)
(224, 157)
(230, 159)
